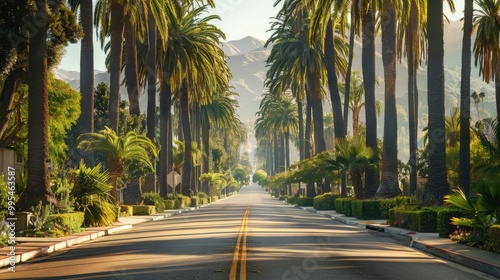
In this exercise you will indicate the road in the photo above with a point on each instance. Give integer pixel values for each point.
(247, 236)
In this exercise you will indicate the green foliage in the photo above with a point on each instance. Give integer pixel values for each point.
(493, 239)
(423, 220)
(343, 206)
(259, 176)
(389, 203)
(366, 209)
(68, 222)
(325, 201)
(153, 198)
(91, 196)
(144, 209)
(300, 200)
(4, 195)
(126, 211)
(170, 204)
(241, 175)
(61, 189)
(444, 226)
(40, 220)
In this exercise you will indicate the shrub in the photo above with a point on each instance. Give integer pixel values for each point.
(423, 220)
(70, 222)
(144, 209)
(155, 199)
(343, 206)
(304, 201)
(493, 239)
(444, 225)
(325, 201)
(126, 211)
(170, 203)
(389, 203)
(40, 220)
(366, 209)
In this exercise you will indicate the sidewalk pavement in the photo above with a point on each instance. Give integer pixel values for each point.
(28, 248)
(485, 261)
(488, 262)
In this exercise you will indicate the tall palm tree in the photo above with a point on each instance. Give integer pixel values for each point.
(487, 44)
(464, 169)
(110, 16)
(437, 184)
(38, 187)
(220, 112)
(86, 121)
(389, 184)
(195, 66)
(119, 151)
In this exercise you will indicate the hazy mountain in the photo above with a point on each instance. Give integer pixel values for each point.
(246, 59)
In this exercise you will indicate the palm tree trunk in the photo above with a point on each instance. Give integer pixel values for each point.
(389, 185)
(301, 128)
(11, 84)
(287, 154)
(437, 183)
(87, 76)
(116, 33)
(349, 69)
(150, 182)
(355, 122)
(205, 134)
(311, 192)
(131, 76)
(186, 131)
(412, 95)
(333, 83)
(317, 110)
(368, 65)
(464, 169)
(38, 187)
(165, 152)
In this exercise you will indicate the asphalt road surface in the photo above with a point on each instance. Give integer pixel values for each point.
(247, 236)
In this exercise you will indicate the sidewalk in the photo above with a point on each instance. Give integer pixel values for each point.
(485, 261)
(28, 248)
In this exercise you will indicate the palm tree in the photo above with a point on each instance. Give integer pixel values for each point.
(491, 143)
(192, 57)
(352, 157)
(38, 185)
(389, 185)
(110, 16)
(487, 44)
(86, 121)
(220, 112)
(437, 184)
(119, 151)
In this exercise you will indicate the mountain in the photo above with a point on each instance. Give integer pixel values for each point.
(247, 56)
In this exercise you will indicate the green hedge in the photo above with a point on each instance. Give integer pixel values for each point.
(444, 226)
(493, 239)
(126, 211)
(169, 203)
(423, 220)
(195, 201)
(300, 201)
(325, 201)
(366, 209)
(144, 209)
(72, 221)
(343, 206)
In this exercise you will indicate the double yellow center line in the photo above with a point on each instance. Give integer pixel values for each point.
(240, 250)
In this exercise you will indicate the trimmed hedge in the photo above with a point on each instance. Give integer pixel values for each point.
(325, 201)
(126, 211)
(300, 201)
(366, 209)
(493, 239)
(144, 209)
(423, 220)
(343, 206)
(169, 203)
(444, 226)
(72, 221)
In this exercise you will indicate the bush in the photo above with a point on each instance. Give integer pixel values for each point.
(144, 209)
(126, 211)
(423, 220)
(493, 239)
(444, 226)
(155, 199)
(389, 203)
(366, 209)
(301, 200)
(195, 201)
(325, 201)
(68, 222)
(343, 206)
(170, 203)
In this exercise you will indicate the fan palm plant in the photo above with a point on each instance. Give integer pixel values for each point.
(119, 151)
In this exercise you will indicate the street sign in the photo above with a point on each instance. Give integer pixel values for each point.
(173, 179)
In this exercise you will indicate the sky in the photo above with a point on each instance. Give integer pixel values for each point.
(239, 18)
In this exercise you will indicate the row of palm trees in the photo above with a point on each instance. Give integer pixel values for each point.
(170, 47)
(309, 55)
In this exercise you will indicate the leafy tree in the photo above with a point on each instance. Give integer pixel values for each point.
(259, 176)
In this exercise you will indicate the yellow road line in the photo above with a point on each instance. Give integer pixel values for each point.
(239, 255)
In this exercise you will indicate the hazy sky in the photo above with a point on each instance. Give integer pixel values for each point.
(239, 18)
